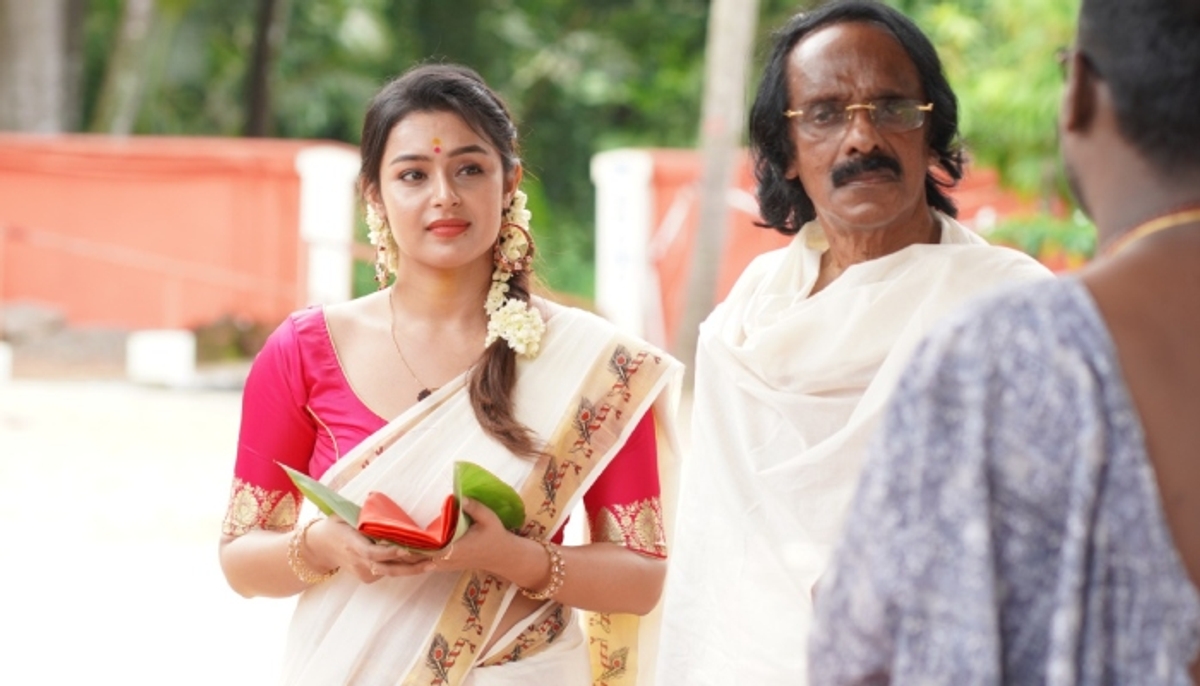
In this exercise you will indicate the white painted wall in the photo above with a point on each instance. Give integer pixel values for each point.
(327, 206)
(626, 285)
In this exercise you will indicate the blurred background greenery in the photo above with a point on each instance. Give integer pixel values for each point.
(581, 77)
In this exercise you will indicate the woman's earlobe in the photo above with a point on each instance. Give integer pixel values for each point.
(370, 198)
(514, 182)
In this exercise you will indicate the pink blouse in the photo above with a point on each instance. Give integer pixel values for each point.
(298, 409)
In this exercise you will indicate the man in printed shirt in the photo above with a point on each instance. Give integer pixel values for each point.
(1031, 512)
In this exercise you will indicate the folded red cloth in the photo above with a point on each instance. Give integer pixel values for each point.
(382, 518)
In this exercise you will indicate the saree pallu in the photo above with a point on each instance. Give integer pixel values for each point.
(583, 395)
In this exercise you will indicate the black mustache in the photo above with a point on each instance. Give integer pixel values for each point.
(847, 171)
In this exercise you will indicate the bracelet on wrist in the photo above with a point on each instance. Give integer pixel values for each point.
(558, 573)
(296, 561)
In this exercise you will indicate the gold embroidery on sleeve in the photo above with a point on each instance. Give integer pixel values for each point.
(637, 526)
(251, 507)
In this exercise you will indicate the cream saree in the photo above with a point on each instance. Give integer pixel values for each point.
(583, 394)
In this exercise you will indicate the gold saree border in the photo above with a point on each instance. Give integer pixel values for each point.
(605, 405)
(547, 625)
(612, 644)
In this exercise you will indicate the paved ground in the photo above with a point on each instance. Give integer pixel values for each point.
(111, 497)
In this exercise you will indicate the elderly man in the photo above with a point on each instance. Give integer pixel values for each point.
(854, 132)
(1031, 511)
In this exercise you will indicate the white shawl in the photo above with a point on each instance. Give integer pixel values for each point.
(788, 389)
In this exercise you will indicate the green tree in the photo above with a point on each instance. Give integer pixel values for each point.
(581, 77)
(1000, 58)
(39, 64)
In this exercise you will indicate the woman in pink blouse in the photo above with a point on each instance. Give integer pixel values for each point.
(456, 360)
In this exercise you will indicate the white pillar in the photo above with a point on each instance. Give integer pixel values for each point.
(327, 201)
(626, 287)
(6, 362)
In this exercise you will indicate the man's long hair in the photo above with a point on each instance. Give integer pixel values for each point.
(783, 202)
(1148, 52)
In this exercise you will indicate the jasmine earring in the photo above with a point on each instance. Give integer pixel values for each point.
(380, 236)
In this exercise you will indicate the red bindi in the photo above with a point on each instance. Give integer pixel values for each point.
(437, 145)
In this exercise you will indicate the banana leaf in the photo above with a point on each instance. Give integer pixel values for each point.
(477, 483)
(470, 481)
(326, 499)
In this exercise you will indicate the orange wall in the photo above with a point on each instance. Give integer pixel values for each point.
(149, 232)
(678, 171)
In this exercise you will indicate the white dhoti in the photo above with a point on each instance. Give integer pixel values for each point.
(788, 389)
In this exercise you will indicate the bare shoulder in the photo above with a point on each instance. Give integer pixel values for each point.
(352, 317)
(1149, 284)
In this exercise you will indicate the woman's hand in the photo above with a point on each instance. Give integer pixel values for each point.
(487, 545)
(334, 543)
(601, 577)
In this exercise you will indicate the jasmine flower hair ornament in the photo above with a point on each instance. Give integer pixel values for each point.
(520, 325)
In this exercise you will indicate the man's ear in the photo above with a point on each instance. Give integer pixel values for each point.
(1079, 97)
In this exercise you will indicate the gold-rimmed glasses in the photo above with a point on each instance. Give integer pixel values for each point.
(891, 115)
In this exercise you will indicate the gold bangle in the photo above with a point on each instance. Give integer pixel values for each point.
(558, 572)
(299, 567)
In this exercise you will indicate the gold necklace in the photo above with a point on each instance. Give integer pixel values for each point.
(1166, 221)
(425, 391)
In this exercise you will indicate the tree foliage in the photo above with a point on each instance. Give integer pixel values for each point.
(581, 77)
(1000, 58)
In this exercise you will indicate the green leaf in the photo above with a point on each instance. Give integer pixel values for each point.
(470, 481)
(464, 523)
(477, 483)
(326, 499)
